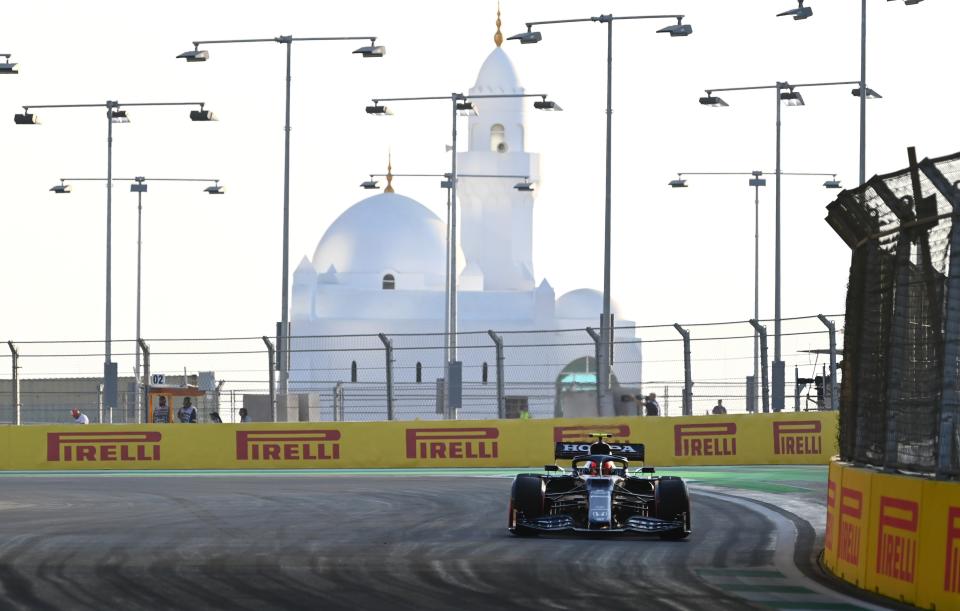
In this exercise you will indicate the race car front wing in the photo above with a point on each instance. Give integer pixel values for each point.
(634, 524)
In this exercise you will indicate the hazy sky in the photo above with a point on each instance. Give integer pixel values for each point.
(212, 264)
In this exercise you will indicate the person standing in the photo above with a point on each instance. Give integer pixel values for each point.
(187, 414)
(79, 417)
(162, 413)
(719, 409)
(244, 416)
(651, 407)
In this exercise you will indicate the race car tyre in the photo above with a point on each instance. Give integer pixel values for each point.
(673, 503)
(527, 497)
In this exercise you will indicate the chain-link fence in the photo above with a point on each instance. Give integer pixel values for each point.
(900, 404)
(503, 373)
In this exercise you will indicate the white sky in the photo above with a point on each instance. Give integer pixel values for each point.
(212, 265)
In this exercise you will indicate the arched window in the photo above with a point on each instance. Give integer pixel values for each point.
(419, 372)
(353, 371)
(389, 283)
(498, 140)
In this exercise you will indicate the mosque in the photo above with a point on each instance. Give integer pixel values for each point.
(379, 268)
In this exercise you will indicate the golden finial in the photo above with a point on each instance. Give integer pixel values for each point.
(389, 187)
(498, 37)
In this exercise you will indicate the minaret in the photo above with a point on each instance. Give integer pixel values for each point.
(496, 228)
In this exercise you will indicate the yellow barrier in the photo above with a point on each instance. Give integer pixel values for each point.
(895, 535)
(793, 438)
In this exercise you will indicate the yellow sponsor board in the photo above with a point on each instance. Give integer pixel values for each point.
(893, 541)
(853, 525)
(705, 440)
(939, 580)
(830, 533)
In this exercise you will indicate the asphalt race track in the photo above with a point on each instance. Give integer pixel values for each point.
(344, 542)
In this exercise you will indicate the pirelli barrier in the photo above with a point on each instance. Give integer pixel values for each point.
(895, 535)
(796, 438)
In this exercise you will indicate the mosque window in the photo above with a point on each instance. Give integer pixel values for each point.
(483, 373)
(498, 141)
(389, 283)
(353, 371)
(419, 372)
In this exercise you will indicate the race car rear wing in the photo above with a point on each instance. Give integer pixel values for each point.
(630, 451)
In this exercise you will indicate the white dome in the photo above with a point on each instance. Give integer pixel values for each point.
(584, 304)
(497, 74)
(386, 232)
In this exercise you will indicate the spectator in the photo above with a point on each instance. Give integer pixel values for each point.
(162, 413)
(79, 417)
(719, 409)
(244, 416)
(215, 418)
(188, 413)
(651, 407)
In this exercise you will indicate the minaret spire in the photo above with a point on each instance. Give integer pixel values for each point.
(389, 187)
(498, 37)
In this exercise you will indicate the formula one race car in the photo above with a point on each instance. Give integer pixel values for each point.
(598, 494)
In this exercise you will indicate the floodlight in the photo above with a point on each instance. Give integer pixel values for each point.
(119, 116)
(678, 183)
(527, 38)
(524, 185)
(832, 184)
(756, 181)
(26, 119)
(680, 29)
(202, 115)
(378, 109)
(195, 56)
(138, 187)
(871, 94)
(801, 12)
(369, 184)
(466, 109)
(216, 189)
(8, 67)
(61, 188)
(372, 51)
(712, 100)
(547, 105)
(791, 98)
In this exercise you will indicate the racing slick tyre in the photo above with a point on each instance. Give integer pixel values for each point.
(527, 497)
(673, 503)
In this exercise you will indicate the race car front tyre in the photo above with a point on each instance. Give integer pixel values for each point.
(527, 498)
(673, 503)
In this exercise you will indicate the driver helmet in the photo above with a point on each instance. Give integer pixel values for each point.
(608, 467)
(591, 468)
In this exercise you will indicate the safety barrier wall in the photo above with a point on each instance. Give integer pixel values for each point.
(896, 535)
(795, 438)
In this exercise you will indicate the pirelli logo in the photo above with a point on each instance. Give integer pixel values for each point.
(897, 534)
(579, 433)
(707, 439)
(951, 576)
(849, 525)
(831, 511)
(103, 447)
(300, 444)
(472, 443)
(797, 437)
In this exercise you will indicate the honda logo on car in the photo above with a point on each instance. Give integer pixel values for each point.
(797, 437)
(578, 433)
(713, 439)
(127, 446)
(301, 444)
(474, 443)
(897, 534)
(584, 448)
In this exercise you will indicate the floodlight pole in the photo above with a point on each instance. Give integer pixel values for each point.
(283, 349)
(109, 368)
(778, 365)
(606, 332)
(455, 98)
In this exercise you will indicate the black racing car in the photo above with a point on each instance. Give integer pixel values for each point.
(599, 494)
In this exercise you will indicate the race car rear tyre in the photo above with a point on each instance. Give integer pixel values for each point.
(527, 498)
(673, 503)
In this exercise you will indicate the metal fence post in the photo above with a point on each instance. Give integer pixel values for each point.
(501, 399)
(596, 356)
(273, 382)
(143, 385)
(388, 349)
(765, 386)
(687, 374)
(15, 384)
(338, 402)
(832, 329)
